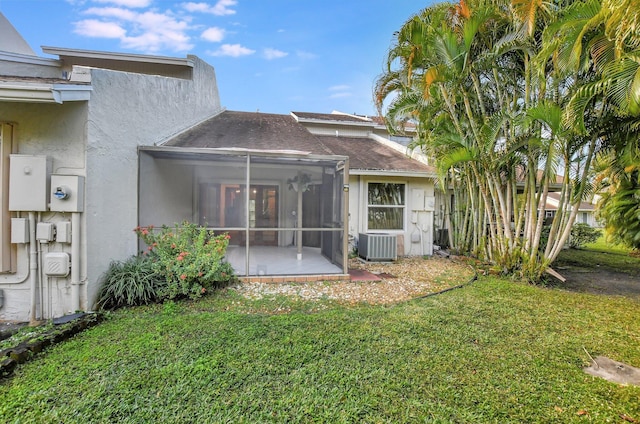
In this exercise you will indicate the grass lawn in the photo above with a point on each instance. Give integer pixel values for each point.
(601, 254)
(493, 351)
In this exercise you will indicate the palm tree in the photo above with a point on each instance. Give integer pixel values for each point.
(599, 40)
(478, 81)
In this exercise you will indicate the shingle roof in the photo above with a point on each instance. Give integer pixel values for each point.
(367, 154)
(263, 131)
(250, 130)
(554, 196)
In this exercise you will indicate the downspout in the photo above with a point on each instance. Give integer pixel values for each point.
(75, 262)
(33, 268)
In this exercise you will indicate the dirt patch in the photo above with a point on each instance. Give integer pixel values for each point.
(599, 280)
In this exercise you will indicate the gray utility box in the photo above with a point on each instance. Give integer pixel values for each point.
(377, 247)
(28, 183)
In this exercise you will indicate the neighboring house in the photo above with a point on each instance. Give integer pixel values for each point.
(586, 210)
(73, 126)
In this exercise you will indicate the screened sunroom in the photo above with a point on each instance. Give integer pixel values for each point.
(285, 211)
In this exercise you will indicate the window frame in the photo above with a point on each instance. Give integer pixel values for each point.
(402, 207)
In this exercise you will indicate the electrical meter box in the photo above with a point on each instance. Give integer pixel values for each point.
(67, 193)
(28, 183)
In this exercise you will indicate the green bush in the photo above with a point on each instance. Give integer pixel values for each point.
(582, 234)
(130, 282)
(190, 259)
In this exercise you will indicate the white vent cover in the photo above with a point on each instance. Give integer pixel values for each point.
(57, 264)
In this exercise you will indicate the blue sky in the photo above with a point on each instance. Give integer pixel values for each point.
(275, 56)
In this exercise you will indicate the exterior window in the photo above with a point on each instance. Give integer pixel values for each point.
(385, 206)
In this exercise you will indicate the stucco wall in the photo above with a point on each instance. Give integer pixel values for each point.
(57, 131)
(126, 111)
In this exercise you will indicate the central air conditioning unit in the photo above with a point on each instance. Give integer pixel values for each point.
(377, 247)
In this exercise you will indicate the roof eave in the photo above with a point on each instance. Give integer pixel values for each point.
(127, 57)
(241, 151)
(31, 60)
(44, 93)
(392, 173)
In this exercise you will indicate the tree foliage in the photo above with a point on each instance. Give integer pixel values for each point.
(506, 96)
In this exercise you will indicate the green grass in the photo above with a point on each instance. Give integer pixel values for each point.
(493, 351)
(601, 254)
(601, 245)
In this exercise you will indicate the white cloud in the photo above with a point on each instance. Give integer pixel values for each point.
(305, 55)
(112, 12)
(340, 95)
(340, 91)
(213, 34)
(221, 8)
(127, 3)
(160, 31)
(270, 54)
(148, 31)
(233, 50)
(99, 29)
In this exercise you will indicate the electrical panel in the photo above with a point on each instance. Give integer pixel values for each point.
(63, 232)
(19, 230)
(57, 264)
(67, 193)
(28, 183)
(417, 199)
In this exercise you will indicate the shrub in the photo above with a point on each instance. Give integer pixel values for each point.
(189, 258)
(582, 234)
(130, 282)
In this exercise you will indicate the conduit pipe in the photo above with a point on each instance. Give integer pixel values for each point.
(33, 268)
(75, 262)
